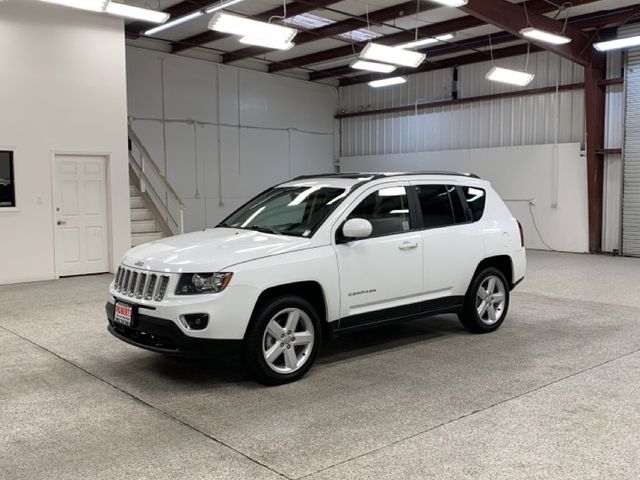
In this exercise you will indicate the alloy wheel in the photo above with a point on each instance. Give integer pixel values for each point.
(288, 340)
(491, 299)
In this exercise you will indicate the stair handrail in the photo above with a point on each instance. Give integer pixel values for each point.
(146, 159)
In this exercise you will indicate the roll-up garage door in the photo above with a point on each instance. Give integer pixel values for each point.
(631, 182)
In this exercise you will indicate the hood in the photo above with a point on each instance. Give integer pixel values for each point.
(210, 250)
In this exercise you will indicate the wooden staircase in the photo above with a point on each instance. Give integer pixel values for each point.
(156, 209)
(144, 227)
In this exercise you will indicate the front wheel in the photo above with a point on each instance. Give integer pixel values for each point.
(486, 302)
(282, 340)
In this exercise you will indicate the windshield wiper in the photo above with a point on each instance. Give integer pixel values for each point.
(264, 229)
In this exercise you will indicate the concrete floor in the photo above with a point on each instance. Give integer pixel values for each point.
(555, 393)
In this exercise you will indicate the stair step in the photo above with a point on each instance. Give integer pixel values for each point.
(137, 202)
(140, 238)
(141, 214)
(133, 191)
(144, 226)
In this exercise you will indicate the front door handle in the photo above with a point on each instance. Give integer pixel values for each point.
(61, 222)
(408, 245)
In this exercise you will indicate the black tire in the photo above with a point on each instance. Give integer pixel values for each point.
(470, 317)
(252, 347)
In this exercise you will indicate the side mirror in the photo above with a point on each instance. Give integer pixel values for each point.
(357, 228)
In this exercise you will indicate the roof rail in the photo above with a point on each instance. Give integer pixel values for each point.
(370, 176)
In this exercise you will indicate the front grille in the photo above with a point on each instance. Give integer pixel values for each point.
(135, 284)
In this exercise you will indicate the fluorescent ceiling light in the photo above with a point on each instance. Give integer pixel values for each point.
(385, 82)
(395, 56)
(308, 21)
(427, 41)
(252, 29)
(512, 77)
(173, 23)
(452, 3)
(221, 5)
(144, 14)
(273, 43)
(119, 9)
(91, 5)
(372, 66)
(360, 35)
(544, 36)
(618, 43)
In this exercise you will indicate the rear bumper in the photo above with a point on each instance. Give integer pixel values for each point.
(164, 336)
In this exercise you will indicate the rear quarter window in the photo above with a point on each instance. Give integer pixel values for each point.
(476, 200)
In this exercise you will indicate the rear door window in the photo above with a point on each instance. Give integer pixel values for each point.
(435, 205)
(456, 205)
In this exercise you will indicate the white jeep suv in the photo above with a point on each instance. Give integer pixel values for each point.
(319, 256)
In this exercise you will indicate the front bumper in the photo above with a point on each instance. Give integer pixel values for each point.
(164, 336)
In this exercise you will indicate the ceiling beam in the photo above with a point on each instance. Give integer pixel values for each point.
(433, 30)
(293, 8)
(444, 49)
(337, 28)
(586, 21)
(460, 101)
(512, 18)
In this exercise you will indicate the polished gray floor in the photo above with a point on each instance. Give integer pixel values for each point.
(555, 393)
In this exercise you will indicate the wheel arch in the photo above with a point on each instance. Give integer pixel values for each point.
(502, 263)
(310, 290)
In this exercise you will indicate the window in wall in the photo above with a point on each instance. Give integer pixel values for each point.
(387, 210)
(7, 188)
(475, 199)
(435, 205)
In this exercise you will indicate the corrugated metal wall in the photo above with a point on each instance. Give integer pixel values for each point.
(527, 120)
(631, 178)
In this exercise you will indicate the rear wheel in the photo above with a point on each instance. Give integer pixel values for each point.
(486, 302)
(282, 340)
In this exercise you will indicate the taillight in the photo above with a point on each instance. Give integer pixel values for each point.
(521, 233)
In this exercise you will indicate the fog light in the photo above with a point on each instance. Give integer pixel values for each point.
(196, 321)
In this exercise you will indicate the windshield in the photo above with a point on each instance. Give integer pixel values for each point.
(295, 211)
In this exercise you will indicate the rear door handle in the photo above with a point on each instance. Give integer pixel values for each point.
(408, 245)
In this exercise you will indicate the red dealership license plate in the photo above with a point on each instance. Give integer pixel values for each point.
(124, 314)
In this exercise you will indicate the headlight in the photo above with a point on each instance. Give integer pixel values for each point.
(195, 283)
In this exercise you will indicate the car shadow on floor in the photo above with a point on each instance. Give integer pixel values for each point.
(228, 368)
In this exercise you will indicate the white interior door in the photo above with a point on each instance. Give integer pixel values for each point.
(81, 227)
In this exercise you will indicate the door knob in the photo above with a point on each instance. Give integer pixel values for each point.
(61, 222)
(408, 245)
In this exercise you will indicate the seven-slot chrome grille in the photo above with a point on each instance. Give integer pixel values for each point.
(138, 284)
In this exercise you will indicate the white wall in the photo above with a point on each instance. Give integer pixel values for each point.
(519, 175)
(62, 88)
(270, 129)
